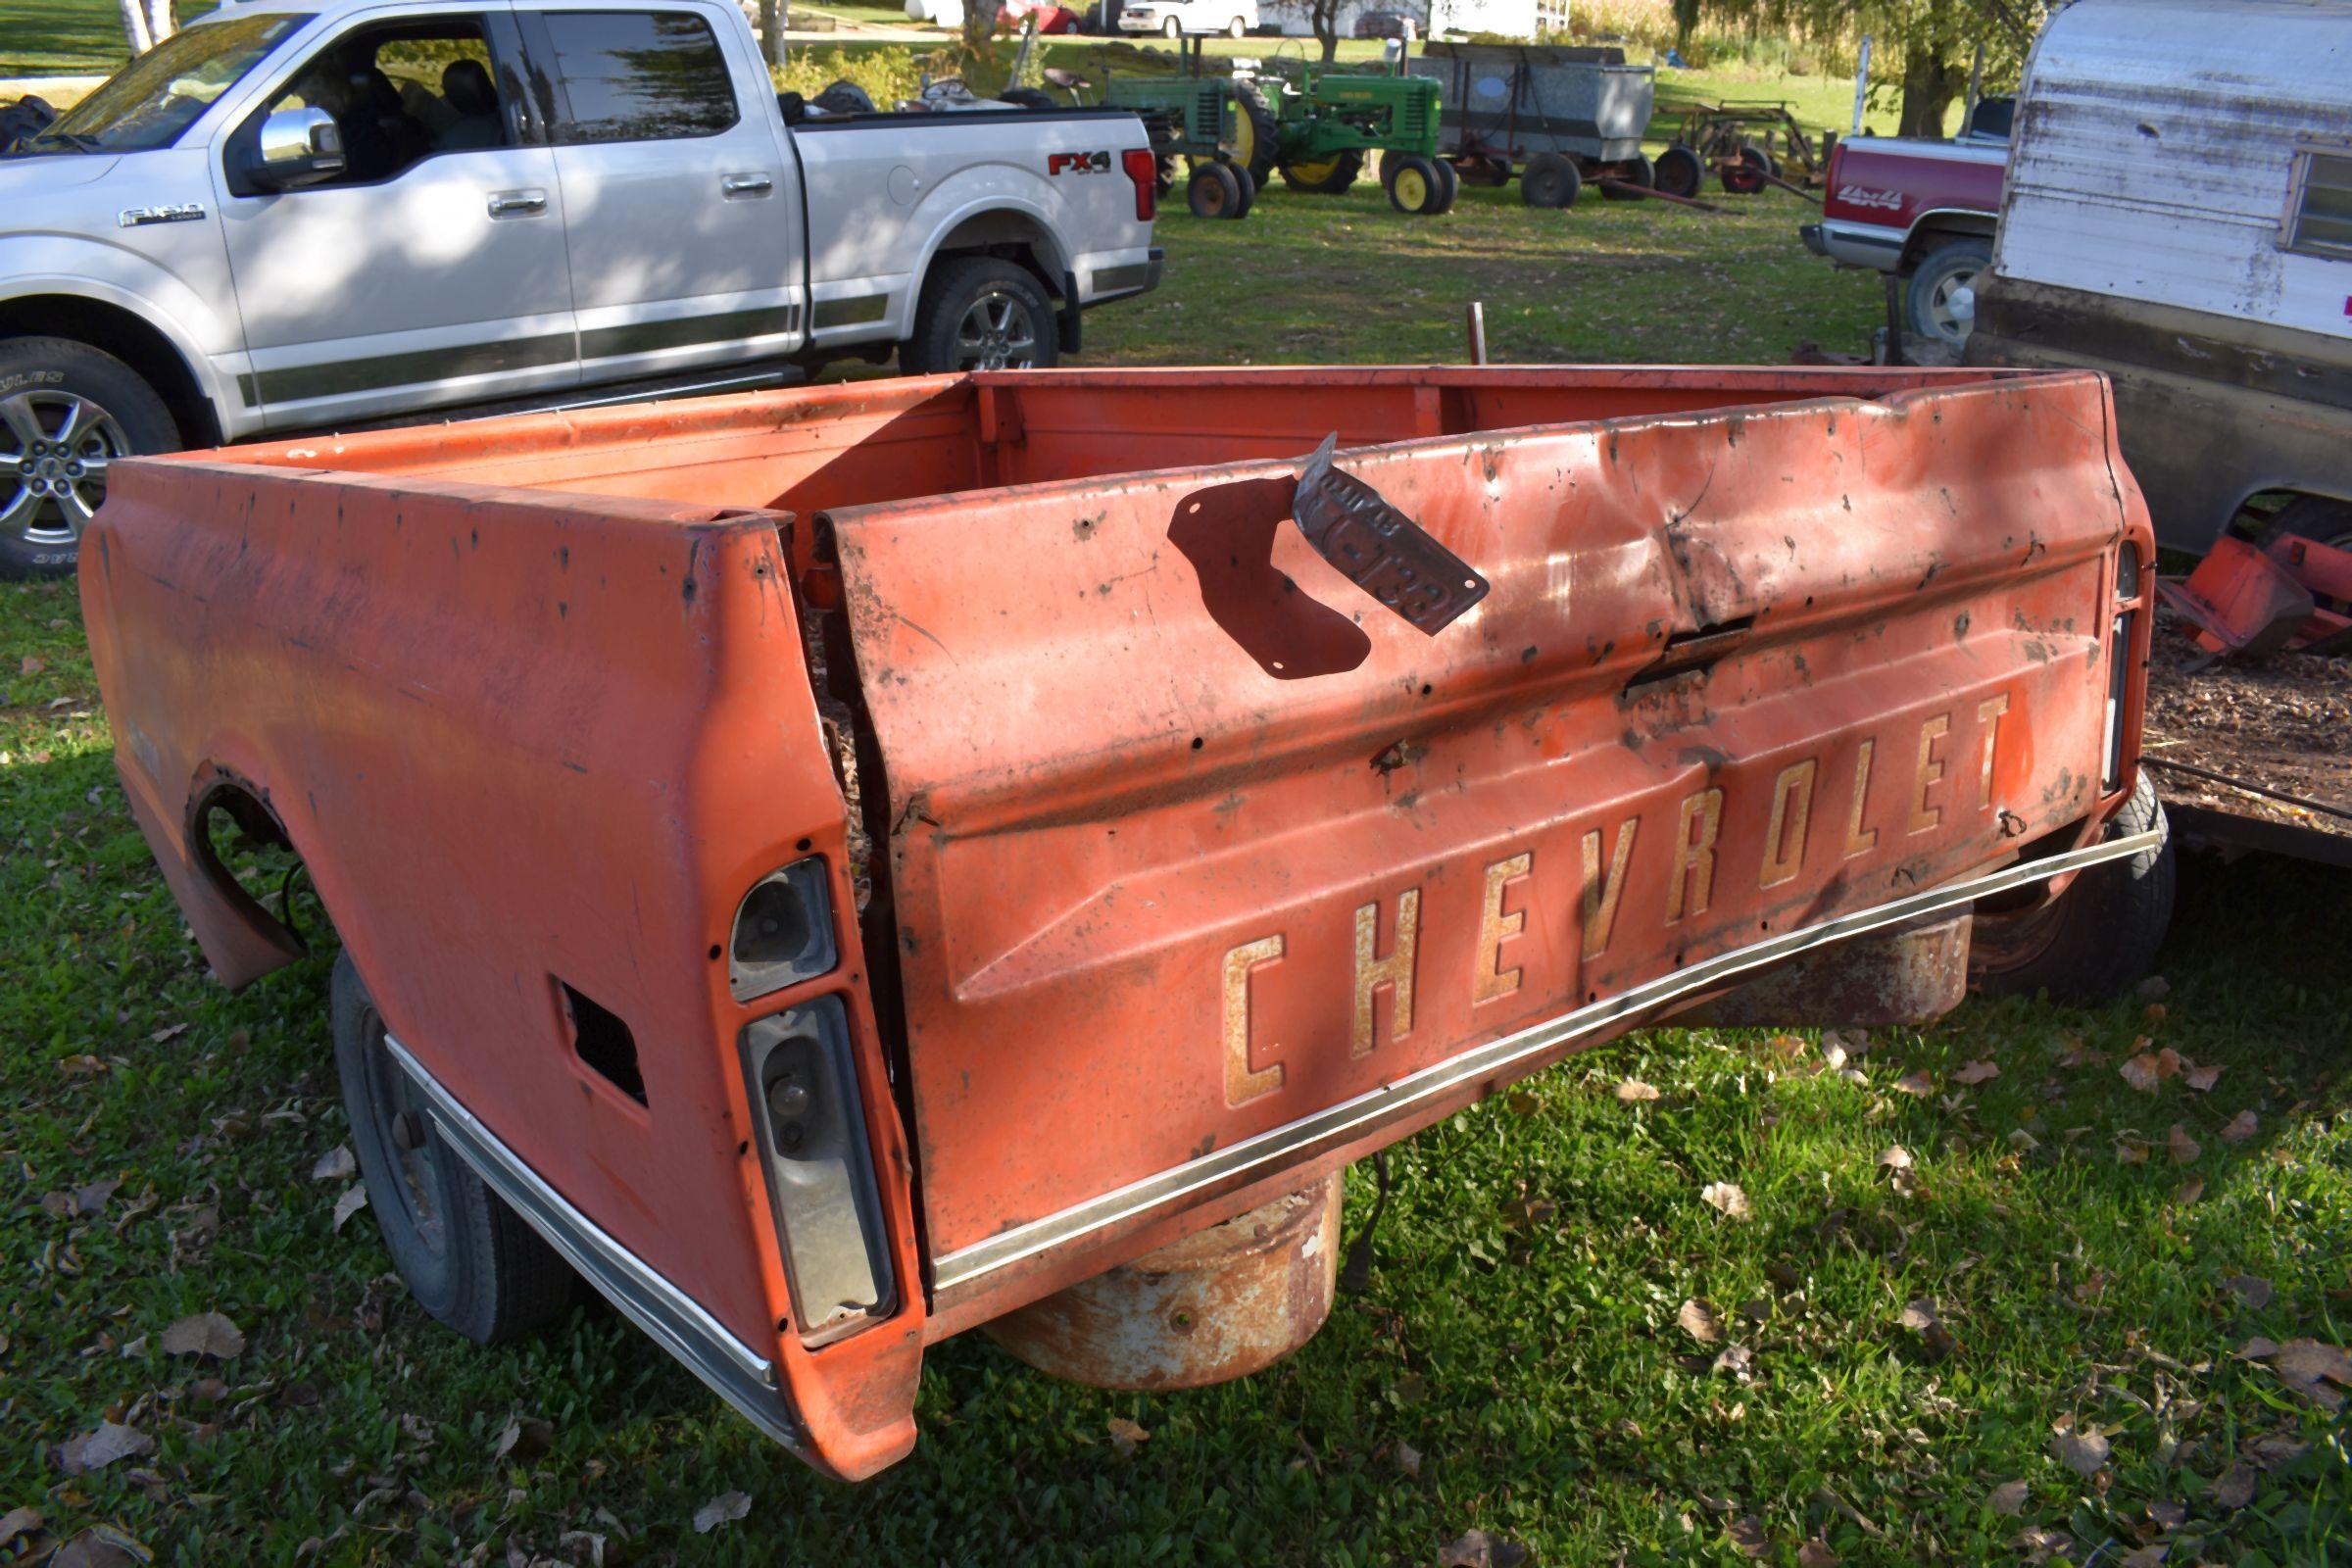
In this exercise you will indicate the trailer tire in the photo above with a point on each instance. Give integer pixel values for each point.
(1413, 184)
(471, 1262)
(1550, 181)
(1214, 191)
(1640, 174)
(1332, 178)
(1746, 177)
(1678, 172)
(86, 405)
(980, 292)
(2099, 937)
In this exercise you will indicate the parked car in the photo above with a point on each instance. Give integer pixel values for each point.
(280, 219)
(1386, 24)
(848, 865)
(1922, 210)
(2179, 215)
(1173, 18)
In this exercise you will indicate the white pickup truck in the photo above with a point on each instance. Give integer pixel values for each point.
(289, 218)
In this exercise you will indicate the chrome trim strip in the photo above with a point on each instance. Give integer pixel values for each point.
(968, 1263)
(678, 1323)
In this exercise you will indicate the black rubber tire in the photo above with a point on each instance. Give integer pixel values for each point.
(1344, 171)
(1265, 133)
(1947, 262)
(1236, 29)
(951, 289)
(1451, 178)
(1243, 178)
(2097, 939)
(1550, 181)
(1639, 173)
(1214, 191)
(1394, 171)
(48, 543)
(490, 1276)
(1678, 171)
(1171, 29)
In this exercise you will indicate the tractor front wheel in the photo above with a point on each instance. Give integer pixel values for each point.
(1414, 184)
(1214, 191)
(1326, 176)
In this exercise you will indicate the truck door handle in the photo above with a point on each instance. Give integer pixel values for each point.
(746, 184)
(517, 203)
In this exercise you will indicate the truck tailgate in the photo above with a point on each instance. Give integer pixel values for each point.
(1192, 840)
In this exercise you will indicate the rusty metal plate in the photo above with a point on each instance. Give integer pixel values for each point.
(1380, 549)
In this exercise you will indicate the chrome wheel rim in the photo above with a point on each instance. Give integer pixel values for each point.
(996, 334)
(1952, 307)
(55, 447)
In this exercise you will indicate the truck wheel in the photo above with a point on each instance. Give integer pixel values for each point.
(67, 412)
(471, 1261)
(981, 314)
(2098, 937)
(1678, 171)
(1413, 183)
(1170, 28)
(1550, 182)
(1329, 176)
(1640, 174)
(1940, 300)
(1235, 28)
(1214, 191)
(1256, 136)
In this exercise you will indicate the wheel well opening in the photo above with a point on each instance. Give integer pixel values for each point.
(111, 330)
(1009, 238)
(1932, 234)
(241, 848)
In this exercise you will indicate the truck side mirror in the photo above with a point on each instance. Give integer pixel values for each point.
(297, 147)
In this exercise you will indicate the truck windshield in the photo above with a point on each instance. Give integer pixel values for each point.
(149, 101)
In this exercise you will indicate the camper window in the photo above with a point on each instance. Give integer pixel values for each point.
(2320, 220)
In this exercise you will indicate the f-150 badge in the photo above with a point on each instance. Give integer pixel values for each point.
(1078, 163)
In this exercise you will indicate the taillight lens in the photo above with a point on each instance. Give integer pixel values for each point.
(1143, 169)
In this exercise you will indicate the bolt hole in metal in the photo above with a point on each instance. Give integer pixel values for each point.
(996, 334)
(56, 445)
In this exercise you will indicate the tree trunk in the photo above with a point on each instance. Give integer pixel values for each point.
(1327, 33)
(772, 19)
(979, 23)
(1930, 84)
(134, 26)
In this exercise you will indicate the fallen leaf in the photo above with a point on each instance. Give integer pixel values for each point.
(2183, 1149)
(1524, 1103)
(1698, 1320)
(2130, 1150)
(2153, 1014)
(585, 1547)
(1736, 1362)
(18, 1522)
(1895, 1158)
(1920, 1318)
(2234, 1487)
(2082, 1452)
(205, 1333)
(1976, 1072)
(2008, 1498)
(1816, 1553)
(1634, 1091)
(2242, 1126)
(354, 1199)
(335, 1165)
(2168, 1515)
(1916, 1084)
(1126, 1436)
(91, 1199)
(2140, 1073)
(33, 666)
(1407, 1457)
(101, 1547)
(1475, 1548)
(2145, 1557)
(2189, 1190)
(1747, 1538)
(2257, 1348)
(95, 1450)
(2155, 988)
(1727, 1198)
(526, 1436)
(2251, 1289)
(2308, 1367)
(721, 1509)
(2203, 1079)
(2169, 1062)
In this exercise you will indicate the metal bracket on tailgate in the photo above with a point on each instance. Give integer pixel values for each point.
(1380, 549)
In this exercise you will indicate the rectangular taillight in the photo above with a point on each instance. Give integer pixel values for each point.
(1142, 171)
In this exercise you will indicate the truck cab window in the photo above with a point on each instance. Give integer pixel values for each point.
(639, 76)
(401, 92)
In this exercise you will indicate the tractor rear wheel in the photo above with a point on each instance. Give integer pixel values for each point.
(1326, 177)
(1550, 180)
(1678, 171)
(1415, 186)
(1257, 138)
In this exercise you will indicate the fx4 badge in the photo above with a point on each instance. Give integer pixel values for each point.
(1078, 163)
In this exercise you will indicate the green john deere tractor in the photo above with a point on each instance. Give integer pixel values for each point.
(1325, 120)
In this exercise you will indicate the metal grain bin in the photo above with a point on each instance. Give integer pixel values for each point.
(1517, 100)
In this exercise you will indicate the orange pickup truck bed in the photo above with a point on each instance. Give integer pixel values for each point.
(1151, 867)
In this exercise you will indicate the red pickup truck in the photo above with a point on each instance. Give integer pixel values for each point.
(842, 866)
(1922, 210)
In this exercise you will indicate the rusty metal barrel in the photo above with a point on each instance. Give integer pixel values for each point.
(1218, 1304)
